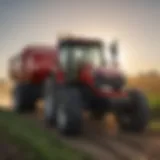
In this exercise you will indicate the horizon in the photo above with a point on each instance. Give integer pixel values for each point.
(134, 23)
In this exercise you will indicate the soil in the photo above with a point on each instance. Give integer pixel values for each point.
(9, 151)
(94, 140)
(120, 146)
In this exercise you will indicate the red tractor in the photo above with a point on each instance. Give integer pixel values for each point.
(74, 77)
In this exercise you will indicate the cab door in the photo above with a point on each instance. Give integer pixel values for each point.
(70, 61)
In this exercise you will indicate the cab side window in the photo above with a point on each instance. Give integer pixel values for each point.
(77, 58)
(63, 57)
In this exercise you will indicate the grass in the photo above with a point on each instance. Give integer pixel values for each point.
(37, 142)
(154, 100)
(150, 86)
(154, 125)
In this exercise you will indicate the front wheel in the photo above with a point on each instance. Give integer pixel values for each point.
(69, 111)
(49, 101)
(137, 115)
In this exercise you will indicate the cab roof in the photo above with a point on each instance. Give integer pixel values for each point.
(80, 41)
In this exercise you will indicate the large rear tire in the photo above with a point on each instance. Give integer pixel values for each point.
(137, 115)
(69, 111)
(24, 98)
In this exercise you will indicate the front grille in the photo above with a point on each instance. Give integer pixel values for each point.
(110, 82)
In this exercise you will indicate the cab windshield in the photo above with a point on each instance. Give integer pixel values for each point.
(91, 54)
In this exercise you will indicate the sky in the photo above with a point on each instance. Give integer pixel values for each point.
(135, 23)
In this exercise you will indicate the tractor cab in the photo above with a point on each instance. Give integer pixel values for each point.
(76, 55)
(79, 52)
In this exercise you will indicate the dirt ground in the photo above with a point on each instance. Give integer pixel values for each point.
(94, 140)
(119, 146)
(103, 146)
(9, 151)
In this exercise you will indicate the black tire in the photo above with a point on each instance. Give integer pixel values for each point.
(49, 101)
(69, 111)
(138, 113)
(24, 97)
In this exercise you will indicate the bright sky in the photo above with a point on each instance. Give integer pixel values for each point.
(136, 23)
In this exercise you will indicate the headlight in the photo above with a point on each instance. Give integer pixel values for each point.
(106, 88)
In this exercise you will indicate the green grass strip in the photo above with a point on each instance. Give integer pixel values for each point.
(40, 143)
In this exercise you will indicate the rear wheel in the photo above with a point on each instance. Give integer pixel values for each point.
(69, 111)
(24, 98)
(137, 115)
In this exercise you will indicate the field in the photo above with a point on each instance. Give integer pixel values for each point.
(5, 94)
(26, 137)
(150, 85)
(23, 135)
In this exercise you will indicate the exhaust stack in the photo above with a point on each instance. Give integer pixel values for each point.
(114, 53)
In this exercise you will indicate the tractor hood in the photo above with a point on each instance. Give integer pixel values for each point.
(109, 77)
(109, 72)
